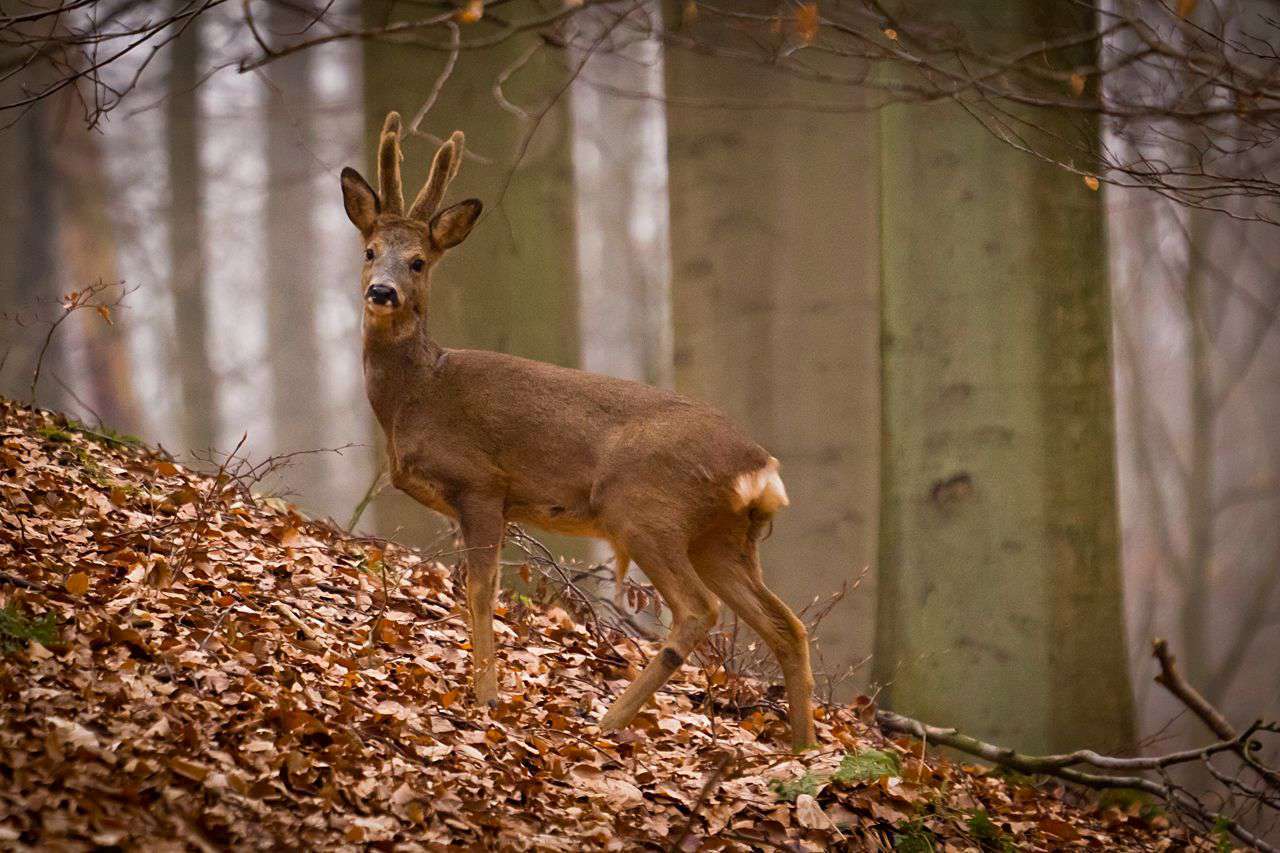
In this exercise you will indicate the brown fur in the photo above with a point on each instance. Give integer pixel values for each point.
(487, 438)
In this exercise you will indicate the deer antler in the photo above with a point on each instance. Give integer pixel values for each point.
(443, 170)
(389, 191)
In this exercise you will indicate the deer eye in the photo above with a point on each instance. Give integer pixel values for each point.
(417, 265)
(368, 254)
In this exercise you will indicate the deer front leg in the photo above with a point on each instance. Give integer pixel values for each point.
(482, 529)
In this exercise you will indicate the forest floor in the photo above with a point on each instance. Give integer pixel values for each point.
(186, 665)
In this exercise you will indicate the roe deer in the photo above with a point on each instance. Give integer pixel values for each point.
(485, 437)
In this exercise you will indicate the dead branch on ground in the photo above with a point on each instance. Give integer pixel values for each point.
(1250, 791)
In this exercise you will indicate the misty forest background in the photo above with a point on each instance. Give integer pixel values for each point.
(1033, 416)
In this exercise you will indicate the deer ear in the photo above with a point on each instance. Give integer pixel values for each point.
(451, 226)
(360, 200)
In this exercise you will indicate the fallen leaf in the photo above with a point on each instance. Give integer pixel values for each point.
(189, 769)
(809, 814)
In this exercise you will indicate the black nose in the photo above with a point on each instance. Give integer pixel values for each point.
(382, 294)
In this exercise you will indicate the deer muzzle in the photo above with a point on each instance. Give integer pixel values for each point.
(383, 295)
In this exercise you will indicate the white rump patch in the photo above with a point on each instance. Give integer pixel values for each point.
(761, 488)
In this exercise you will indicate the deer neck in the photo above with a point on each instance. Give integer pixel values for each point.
(397, 356)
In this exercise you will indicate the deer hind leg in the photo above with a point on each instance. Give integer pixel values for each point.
(730, 566)
(482, 529)
(694, 611)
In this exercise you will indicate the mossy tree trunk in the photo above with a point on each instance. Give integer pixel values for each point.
(512, 285)
(1000, 584)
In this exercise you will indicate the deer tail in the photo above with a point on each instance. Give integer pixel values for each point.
(759, 493)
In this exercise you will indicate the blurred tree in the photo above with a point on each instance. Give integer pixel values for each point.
(1198, 344)
(620, 188)
(299, 409)
(199, 410)
(1000, 588)
(512, 286)
(775, 267)
(87, 254)
(1197, 340)
(29, 233)
(20, 161)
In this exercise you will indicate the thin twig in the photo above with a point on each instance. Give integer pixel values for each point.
(1171, 679)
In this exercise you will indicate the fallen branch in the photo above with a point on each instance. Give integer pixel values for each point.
(1067, 766)
(1062, 767)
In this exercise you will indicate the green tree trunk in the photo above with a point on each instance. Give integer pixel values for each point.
(775, 270)
(512, 286)
(1000, 606)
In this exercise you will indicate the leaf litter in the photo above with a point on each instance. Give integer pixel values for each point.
(186, 666)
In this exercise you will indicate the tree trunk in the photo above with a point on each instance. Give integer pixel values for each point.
(104, 378)
(199, 418)
(298, 411)
(27, 280)
(774, 277)
(620, 184)
(1000, 592)
(512, 285)
(1197, 648)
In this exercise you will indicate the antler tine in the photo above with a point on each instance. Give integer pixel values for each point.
(389, 156)
(444, 168)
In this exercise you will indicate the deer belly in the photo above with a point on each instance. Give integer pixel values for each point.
(558, 518)
(425, 492)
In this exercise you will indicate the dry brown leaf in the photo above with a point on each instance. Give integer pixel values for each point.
(189, 769)
(809, 814)
(77, 583)
(334, 742)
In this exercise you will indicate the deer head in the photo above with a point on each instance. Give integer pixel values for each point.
(400, 247)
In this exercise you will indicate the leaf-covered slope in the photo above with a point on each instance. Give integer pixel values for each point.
(203, 669)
